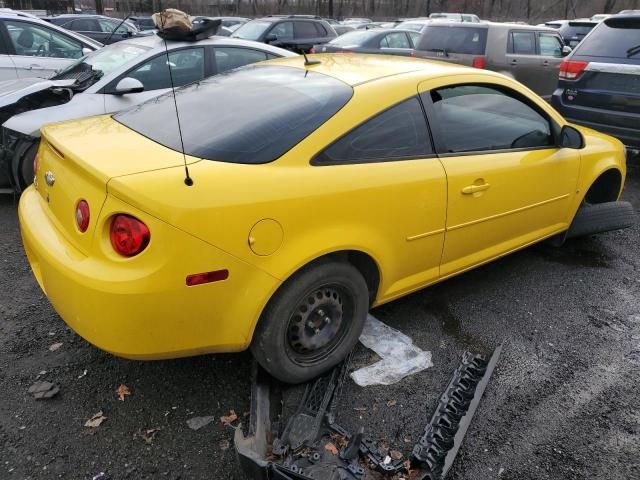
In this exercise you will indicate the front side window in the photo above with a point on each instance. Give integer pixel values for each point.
(33, 40)
(283, 31)
(522, 43)
(475, 118)
(187, 66)
(228, 58)
(550, 45)
(398, 133)
(395, 40)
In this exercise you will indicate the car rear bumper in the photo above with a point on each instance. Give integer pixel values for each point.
(144, 311)
(606, 121)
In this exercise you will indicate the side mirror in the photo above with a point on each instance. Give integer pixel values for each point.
(566, 50)
(571, 137)
(271, 37)
(86, 51)
(128, 85)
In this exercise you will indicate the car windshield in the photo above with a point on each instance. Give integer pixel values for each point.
(103, 61)
(251, 115)
(251, 30)
(463, 40)
(352, 39)
(615, 37)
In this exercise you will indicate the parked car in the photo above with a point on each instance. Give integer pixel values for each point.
(599, 17)
(416, 24)
(384, 41)
(599, 83)
(455, 17)
(113, 78)
(294, 32)
(309, 198)
(342, 29)
(531, 55)
(33, 48)
(572, 31)
(224, 21)
(356, 21)
(629, 12)
(143, 23)
(102, 29)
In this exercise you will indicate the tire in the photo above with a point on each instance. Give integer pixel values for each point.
(312, 322)
(602, 217)
(24, 154)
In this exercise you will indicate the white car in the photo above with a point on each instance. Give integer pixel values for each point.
(30, 47)
(111, 79)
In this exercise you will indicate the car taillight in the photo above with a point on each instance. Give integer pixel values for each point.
(36, 162)
(571, 70)
(479, 62)
(82, 215)
(129, 236)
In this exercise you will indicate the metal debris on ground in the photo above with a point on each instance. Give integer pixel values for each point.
(311, 445)
(43, 390)
(400, 357)
(196, 423)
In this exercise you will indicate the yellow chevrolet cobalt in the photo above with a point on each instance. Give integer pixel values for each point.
(317, 190)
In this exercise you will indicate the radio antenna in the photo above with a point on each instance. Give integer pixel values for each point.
(188, 181)
(119, 25)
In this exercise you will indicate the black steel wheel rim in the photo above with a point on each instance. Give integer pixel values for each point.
(318, 323)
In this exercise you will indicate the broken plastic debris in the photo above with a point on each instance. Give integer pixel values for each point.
(400, 357)
(197, 423)
(41, 390)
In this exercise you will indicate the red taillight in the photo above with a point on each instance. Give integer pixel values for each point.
(479, 62)
(571, 70)
(129, 236)
(82, 215)
(36, 162)
(207, 277)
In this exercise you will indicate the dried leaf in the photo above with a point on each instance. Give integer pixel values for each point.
(224, 444)
(229, 419)
(331, 448)
(122, 391)
(391, 403)
(55, 347)
(395, 454)
(148, 434)
(96, 420)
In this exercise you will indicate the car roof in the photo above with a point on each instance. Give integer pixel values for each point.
(356, 69)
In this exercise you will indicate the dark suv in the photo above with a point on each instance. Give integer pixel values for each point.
(599, 83)
(293, 32)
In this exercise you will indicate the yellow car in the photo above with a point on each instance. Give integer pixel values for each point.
(308, 193)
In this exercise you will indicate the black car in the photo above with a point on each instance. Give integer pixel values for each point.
(103, 29)
(386, 41)
(599, 83)
(573, 31)
(293, 32)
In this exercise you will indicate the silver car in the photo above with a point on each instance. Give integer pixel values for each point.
(115, 77)
(30, 47)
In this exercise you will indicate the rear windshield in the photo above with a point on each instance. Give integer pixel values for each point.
(251, 115)
(353, 39)
(465, 40)
(572, 29)
(615, 38)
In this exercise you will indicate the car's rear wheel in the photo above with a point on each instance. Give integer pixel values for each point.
(312, 322)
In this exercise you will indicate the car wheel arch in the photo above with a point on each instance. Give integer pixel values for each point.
(606, 187)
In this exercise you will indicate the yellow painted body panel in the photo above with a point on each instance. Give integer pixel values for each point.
(265, 222)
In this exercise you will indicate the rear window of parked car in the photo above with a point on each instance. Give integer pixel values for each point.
(251, 115)
(465, 40)
(614, 38)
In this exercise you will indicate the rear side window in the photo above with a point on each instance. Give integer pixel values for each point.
(475, 118)
(251, 115)
(615, 38)
(464, 40)
(305, 30)
(522, 43)
(398, 133)
(228, 58)
(395, 40)
(85, 25)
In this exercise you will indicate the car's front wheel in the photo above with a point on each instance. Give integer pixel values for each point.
(312, 322)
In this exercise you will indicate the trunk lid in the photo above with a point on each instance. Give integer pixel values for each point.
(77, 160)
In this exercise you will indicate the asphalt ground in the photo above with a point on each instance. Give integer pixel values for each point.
(563, 402)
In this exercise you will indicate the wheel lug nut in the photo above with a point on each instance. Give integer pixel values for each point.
(310, 324)
(327, 320)
(317, 331)
(321, 312)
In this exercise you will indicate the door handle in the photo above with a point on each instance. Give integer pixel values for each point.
(545, 63)
(470, 189)
(514, 61)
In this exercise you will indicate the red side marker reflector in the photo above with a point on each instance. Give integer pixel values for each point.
(207, 277)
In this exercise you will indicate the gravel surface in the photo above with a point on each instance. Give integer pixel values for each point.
(563, 402)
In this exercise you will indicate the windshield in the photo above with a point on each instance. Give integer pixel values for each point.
(105, 60)
(352, 39)
(463, 40)
(251, 115)
(251, 30)
(617, 37)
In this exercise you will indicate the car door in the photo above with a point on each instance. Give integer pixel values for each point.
(7, 67)
(550, 48)
(38, 51)
(523, 60)
(509, 185)
(304, 31)
(187, 65)
(282, 32)
(393, 154)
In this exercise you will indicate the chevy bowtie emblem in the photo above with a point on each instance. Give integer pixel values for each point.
(49, 178)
